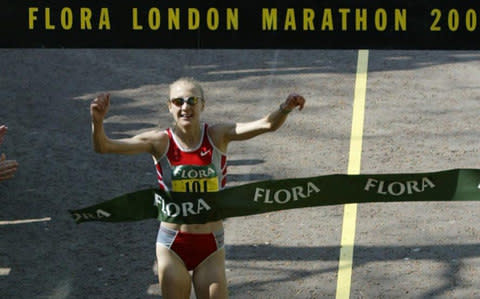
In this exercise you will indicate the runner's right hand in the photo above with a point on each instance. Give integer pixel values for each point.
(99, 107)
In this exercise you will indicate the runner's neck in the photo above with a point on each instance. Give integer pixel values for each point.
(189, 138)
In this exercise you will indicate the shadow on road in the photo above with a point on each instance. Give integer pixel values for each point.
(452, 256)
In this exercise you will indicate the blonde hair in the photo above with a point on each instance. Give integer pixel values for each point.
(188, 80)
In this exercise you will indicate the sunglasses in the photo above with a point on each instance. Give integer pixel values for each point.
(180, 101)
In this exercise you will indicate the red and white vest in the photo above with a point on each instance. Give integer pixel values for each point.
(202, 169)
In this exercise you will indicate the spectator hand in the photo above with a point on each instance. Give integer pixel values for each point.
(3, 131)
(7, 168)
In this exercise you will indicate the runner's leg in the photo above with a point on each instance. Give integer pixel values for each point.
(209, 279)
(174, 278)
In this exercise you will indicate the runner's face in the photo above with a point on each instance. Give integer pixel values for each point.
(185, 114)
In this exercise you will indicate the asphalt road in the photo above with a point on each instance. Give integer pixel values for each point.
(421, 114)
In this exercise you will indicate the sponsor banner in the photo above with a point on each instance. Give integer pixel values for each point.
(129, 207)
(235, 24)
(275, 195)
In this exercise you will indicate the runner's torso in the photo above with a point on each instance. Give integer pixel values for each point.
(202, 169)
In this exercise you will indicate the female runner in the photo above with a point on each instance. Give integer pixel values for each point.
(190, 146)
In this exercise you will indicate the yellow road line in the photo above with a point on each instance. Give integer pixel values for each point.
(354, 162)
(9, 222)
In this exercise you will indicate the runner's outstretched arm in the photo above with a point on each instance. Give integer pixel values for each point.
(271, 122)
(147, 142)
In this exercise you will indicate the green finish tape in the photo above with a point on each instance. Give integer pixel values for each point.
(276, 195)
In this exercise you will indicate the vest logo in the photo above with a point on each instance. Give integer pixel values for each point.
(185, 209)
(203, 153)
(398, 188)
(283, 196)
(96, 215)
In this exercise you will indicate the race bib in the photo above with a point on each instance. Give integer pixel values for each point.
(192, 178)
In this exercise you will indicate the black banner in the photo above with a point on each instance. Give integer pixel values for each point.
(234, 24)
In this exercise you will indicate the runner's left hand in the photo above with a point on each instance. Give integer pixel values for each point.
(294, 100)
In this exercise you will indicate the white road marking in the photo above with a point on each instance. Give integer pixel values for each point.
(23, 221)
